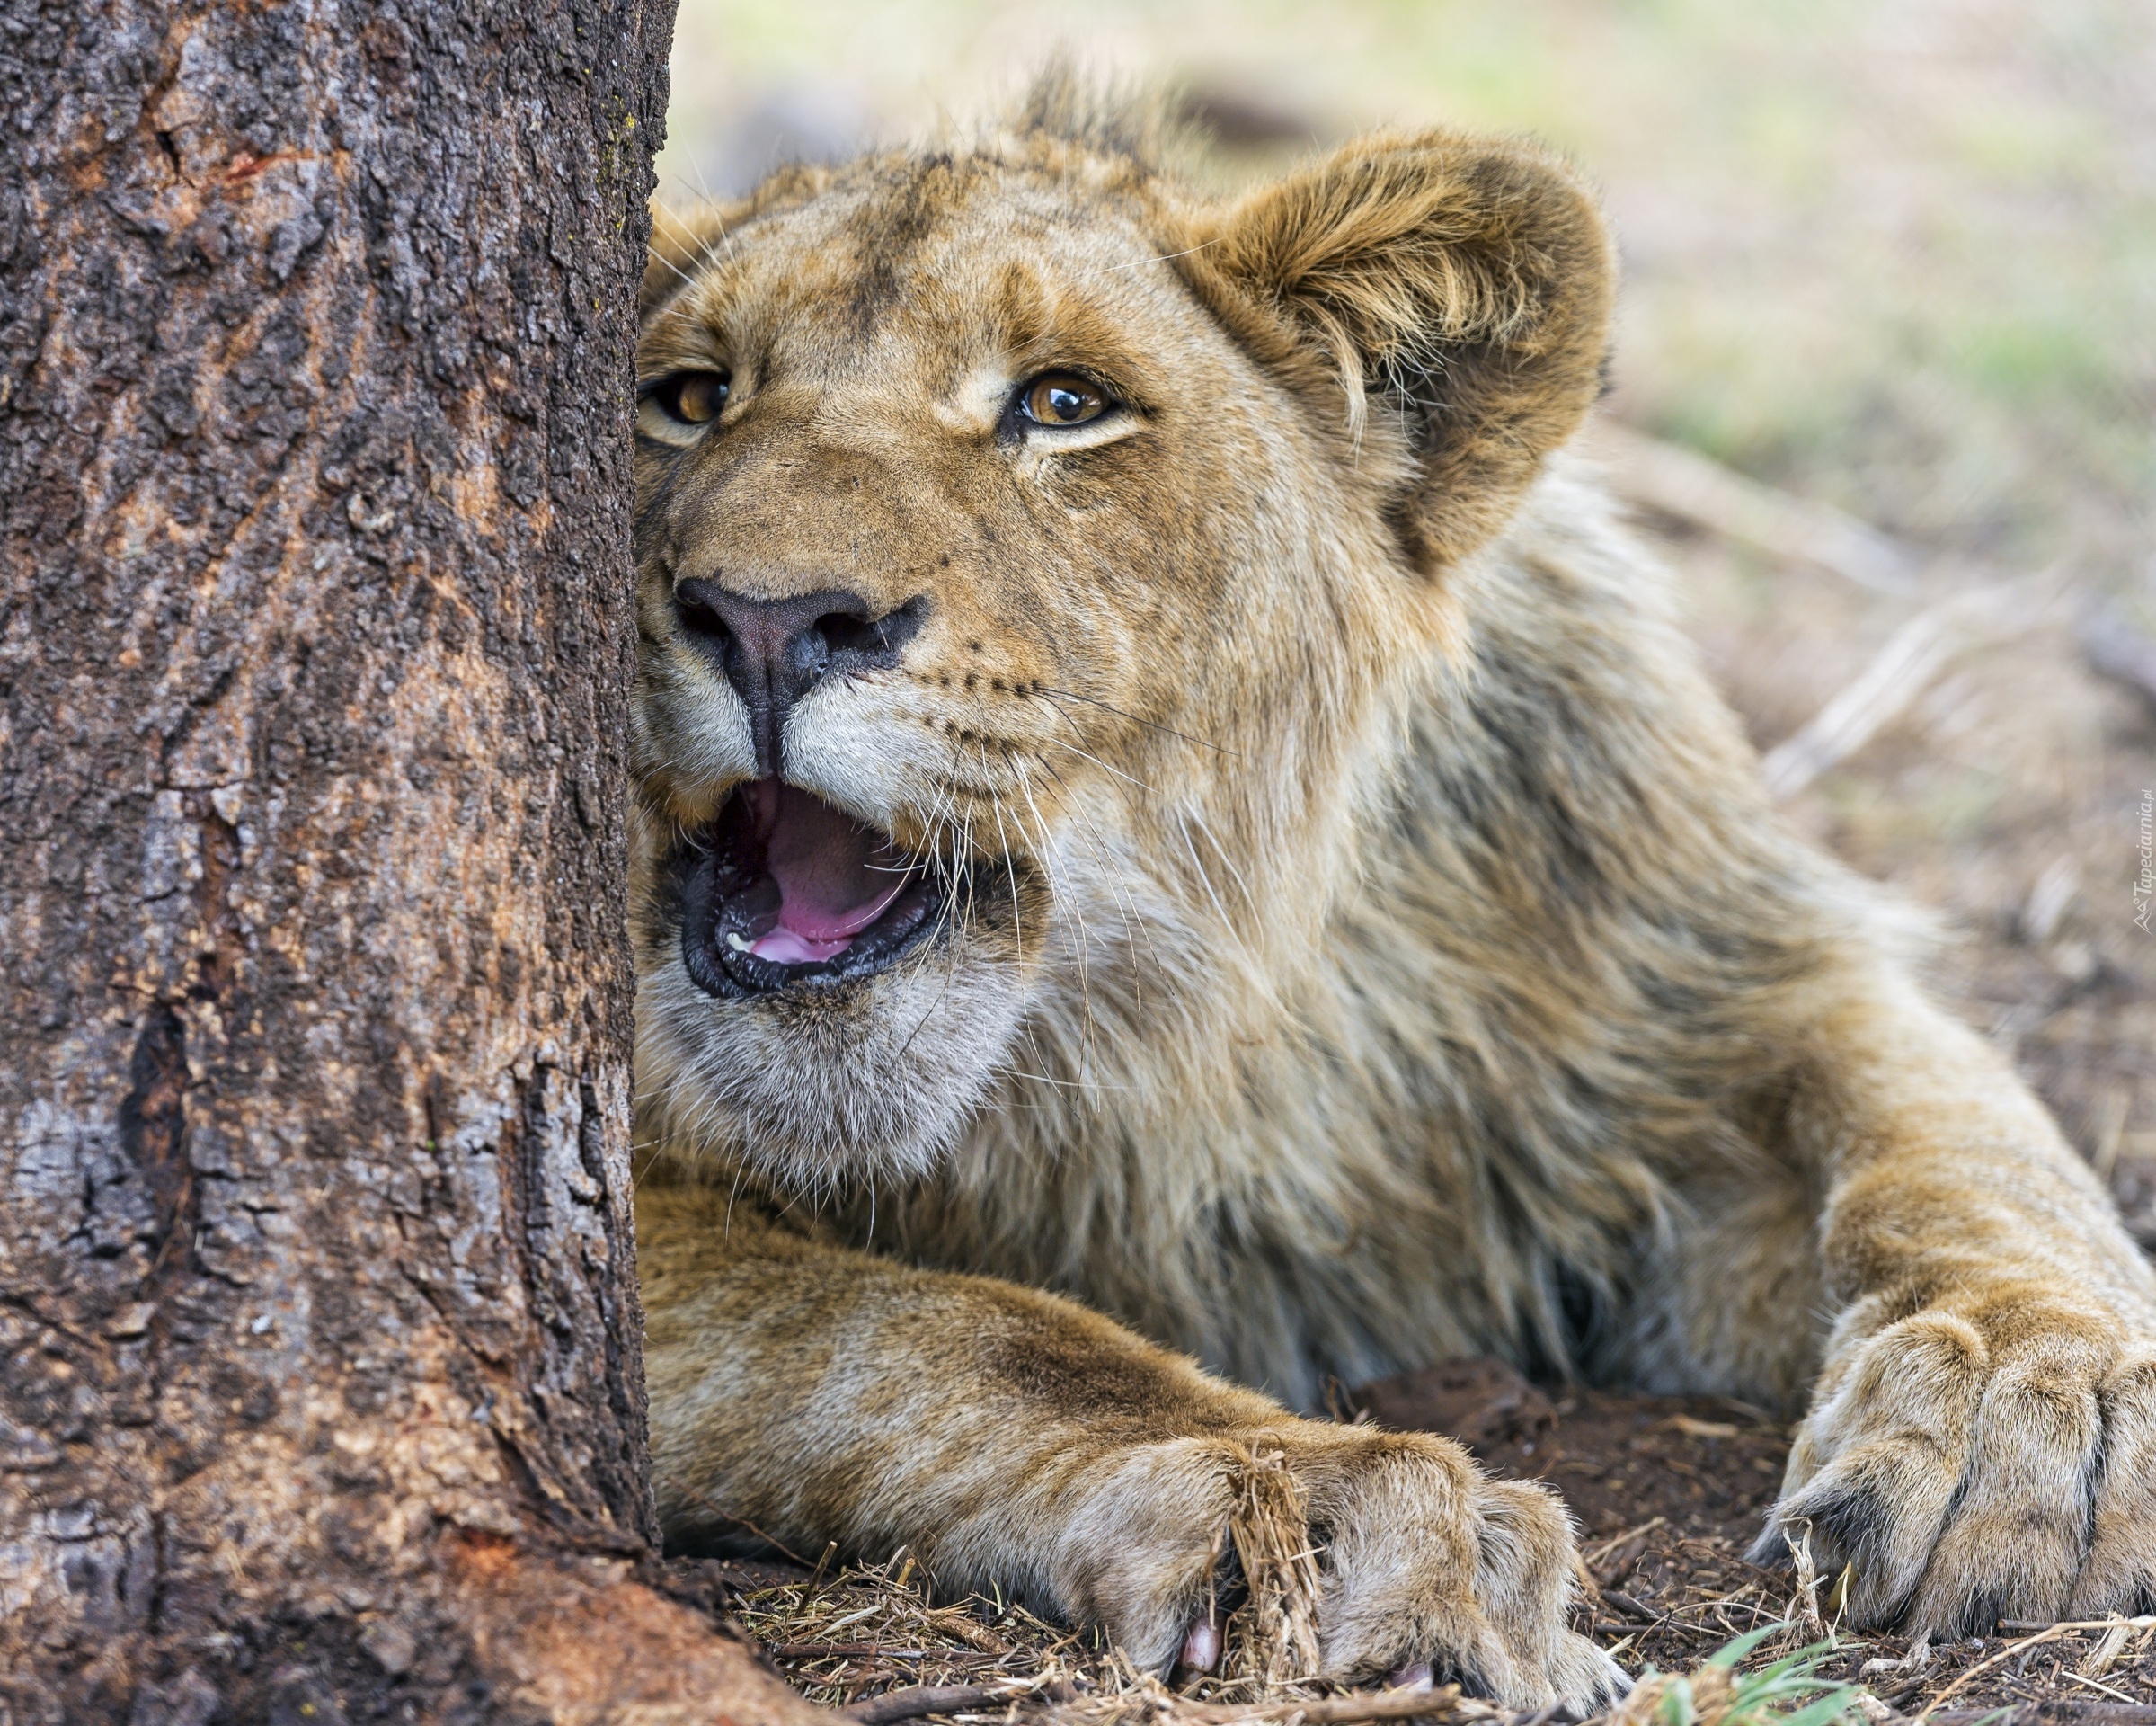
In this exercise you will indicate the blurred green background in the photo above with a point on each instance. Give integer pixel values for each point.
(1899, 254)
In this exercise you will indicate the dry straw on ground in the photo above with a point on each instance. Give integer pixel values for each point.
(1271, 1640)
(872, 1642)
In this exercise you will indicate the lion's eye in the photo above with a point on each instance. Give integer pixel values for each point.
(683, 401)
(1062, 398)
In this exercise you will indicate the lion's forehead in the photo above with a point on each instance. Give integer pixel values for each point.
(946, 264)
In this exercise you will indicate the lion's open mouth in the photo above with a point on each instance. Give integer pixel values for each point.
(783, 888)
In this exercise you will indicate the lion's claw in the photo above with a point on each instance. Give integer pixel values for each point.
(1968, 1465)
(1426, 1566)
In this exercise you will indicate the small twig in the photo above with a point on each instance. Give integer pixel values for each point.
(2109, 1647)
(918, 1699)
(2077, 1678)
(1595, 1554)
(1706, 1632)
(1899, 672)
(2004, 1654)
(955, 1621)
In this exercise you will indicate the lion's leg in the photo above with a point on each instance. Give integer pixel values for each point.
(1009, 1436)
(1980, 1436)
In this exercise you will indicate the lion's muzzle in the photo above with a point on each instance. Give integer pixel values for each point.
(774, 650)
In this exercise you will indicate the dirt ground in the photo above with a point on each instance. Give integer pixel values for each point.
(1670, 1493)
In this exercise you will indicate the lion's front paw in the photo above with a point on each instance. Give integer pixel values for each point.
(1421, 1560)
(1994, 1460)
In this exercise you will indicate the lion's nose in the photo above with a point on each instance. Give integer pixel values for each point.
(772, 651)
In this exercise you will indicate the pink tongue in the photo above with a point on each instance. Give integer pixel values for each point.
(835, 877)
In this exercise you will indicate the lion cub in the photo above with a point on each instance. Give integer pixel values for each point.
(1174, 823)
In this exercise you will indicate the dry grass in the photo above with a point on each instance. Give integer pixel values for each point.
(870, 1640)
(1271, 1640)
(872, 1643)
(869, 1628)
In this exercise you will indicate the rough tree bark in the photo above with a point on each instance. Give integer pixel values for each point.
(320, 1391)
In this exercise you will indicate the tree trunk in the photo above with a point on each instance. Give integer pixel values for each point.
(321, 1394)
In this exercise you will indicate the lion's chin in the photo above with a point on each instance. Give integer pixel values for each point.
(838, 1076)
(815, 1005)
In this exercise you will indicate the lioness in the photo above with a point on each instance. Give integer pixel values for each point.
(1162, 783)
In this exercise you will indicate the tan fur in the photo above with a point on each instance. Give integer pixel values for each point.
(1384, 950)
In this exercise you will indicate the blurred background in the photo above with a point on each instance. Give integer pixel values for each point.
(1886, 385)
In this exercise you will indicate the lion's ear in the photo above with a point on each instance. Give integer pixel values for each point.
(1459, 289)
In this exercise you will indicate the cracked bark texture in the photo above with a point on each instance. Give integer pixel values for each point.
(320, 1386)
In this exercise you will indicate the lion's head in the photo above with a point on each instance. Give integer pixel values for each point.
(1035, 557)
